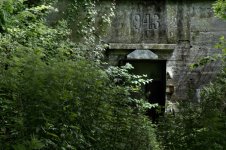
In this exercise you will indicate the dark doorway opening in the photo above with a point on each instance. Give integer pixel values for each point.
(154, 91)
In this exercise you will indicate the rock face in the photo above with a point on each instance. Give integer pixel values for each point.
(177, 31)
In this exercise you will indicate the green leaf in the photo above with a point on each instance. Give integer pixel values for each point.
(19, 147)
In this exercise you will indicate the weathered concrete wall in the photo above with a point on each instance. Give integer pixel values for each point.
(139, 22)
(178, 31)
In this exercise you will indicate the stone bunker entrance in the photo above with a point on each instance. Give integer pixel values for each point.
(152, 60)
(154, 91)
(177, 32)
(145, 62)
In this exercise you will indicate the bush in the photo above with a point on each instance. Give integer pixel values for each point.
(200, 125)
(51, 97)
(68, 104)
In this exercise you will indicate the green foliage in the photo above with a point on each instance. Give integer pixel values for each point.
(88, 20)
(66, 103)
(200, 125)
(219, 8)
(51, 97)
(132, 99)
(133, 85)
(217, 57)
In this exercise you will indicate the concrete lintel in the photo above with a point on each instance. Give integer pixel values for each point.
(142, 46)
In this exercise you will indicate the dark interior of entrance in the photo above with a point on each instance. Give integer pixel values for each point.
(155, 91)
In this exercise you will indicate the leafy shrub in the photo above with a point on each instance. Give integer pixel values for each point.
(200, 125)
(51, 97)
(66, 104)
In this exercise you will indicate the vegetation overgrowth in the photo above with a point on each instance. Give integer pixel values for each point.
(53, 95)
(200, 125)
